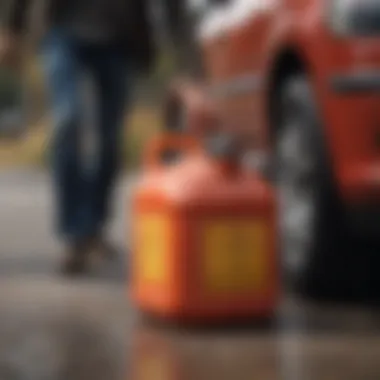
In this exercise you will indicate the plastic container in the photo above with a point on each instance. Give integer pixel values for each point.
(204, 237)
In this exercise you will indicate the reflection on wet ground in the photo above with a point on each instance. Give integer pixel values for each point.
(52, 330)
(307, 343)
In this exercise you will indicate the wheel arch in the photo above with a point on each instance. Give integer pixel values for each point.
(288, 62)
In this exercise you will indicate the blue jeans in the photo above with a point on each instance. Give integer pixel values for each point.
(83, 193)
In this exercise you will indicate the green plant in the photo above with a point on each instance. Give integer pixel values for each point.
(10, 89)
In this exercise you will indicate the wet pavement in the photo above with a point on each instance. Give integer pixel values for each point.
(53, 329)
(273, 354)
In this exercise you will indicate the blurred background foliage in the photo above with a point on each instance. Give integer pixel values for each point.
(9, 89)
(27, 92)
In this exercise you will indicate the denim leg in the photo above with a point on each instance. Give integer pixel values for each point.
(113, 81)
(63, 81)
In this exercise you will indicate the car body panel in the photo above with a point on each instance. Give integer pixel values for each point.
(242, 41)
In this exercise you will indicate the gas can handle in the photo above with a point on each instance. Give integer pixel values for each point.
(164, 142)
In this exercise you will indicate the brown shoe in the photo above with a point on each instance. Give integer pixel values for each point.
(75, 262)
(102, 247)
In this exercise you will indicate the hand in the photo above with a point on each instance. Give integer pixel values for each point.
(9, 50)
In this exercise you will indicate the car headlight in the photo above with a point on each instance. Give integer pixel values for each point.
(354, 17)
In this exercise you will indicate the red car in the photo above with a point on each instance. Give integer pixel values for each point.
(299, 80)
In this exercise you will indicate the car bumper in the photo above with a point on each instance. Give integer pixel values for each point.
(360, 192)
(360, 184)
(364, 219)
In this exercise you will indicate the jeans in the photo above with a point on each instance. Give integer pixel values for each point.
(83, 193)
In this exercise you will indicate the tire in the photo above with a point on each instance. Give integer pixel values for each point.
(318, 258)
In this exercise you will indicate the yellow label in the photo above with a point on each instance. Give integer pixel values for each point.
(235, 255)
(153, 245)
(154, 368)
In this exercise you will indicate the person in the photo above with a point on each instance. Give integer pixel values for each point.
(110, 41)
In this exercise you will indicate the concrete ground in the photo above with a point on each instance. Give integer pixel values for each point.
(54, 329)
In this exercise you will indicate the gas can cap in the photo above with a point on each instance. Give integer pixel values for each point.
(224, 147)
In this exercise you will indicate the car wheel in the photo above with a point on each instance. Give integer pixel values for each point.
(312, 229)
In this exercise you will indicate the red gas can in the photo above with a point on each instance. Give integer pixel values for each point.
(204, 237)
